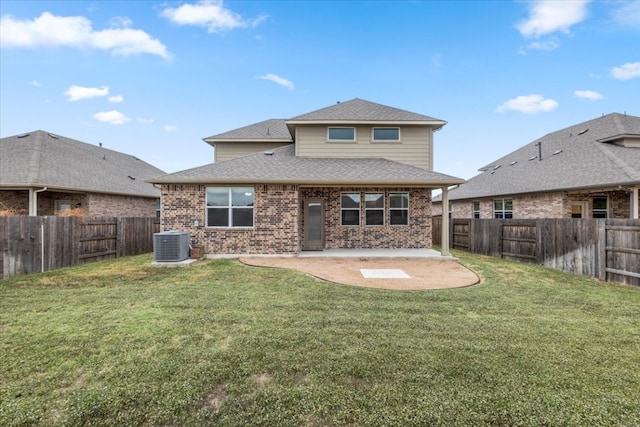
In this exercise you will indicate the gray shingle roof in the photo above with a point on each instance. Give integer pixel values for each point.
(282, 166)
(268, 130)
(572, 158)
(358, 110)
(39, 159)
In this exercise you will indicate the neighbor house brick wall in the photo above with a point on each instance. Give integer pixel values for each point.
(18, 200)
(107, 205)
(619, 201)
(94, 204)
(416, 235)
(14, 201)
(546, 205)
(275, 228)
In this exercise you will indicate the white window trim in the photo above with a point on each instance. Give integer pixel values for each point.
(348, 141)
(504, 210)
(382, 141)
(230, 210)
(473, 209)
(59, 208)
(594, 210)
(400, 209)
(366, 209)
(359, 209)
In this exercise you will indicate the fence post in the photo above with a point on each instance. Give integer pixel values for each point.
(119, 237)
(601, 248)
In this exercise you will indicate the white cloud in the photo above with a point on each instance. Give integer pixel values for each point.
(211, 14)
(279, 80)
(170, 128)
(143, 120)
(550, 44)
(549, 16)
(588, 94)
(49, 30)
(35, 83)
(112, 117)
(116, 99)
(76, 93)
(627, 71)
(626, 13)
(529, 104)
(120, 22)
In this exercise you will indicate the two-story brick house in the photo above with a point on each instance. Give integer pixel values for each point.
(353, 175)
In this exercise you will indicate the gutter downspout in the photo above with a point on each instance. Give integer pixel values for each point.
(635, 209)
(33, 200)
(445, 222)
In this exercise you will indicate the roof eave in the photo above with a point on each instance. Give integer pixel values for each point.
(614, 185)
(215, 140)
(311, 182)
(22, 186)
(439, 123)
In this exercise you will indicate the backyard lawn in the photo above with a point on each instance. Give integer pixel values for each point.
(123, 343)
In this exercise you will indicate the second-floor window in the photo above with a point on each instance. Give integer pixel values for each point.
(386, 134)
(341, 134)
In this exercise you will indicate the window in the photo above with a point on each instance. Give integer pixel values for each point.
(341, 134)
(600, 208)
(503, 208)
(399, 208)
(386, 134)
(158, 209)
(350, 209)
(62, 206)
(475, 210)
(374, 208)
(230, 207)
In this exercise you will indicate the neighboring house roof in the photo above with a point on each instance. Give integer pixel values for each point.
(361, 111)
(268, 130)
(281, 166)
(582, 156)
(42, 159)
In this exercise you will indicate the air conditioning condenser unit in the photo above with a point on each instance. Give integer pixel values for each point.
(171, 246)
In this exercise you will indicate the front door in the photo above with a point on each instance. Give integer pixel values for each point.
(313, 225)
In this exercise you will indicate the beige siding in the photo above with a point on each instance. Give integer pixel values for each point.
(231, 150)
(415, 148)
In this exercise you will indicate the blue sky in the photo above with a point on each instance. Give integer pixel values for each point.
(152, 78)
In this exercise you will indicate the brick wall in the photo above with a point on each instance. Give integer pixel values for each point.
(100, 205)
(547, 205)
(95, 205)
(15, 200)
(416, 235)
(276, 220)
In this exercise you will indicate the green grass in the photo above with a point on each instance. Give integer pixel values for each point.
(218, 343)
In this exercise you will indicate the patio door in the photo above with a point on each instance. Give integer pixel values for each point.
(313, 225)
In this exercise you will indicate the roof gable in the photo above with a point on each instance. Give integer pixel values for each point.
(359, 110)
(268, 130)
(572, 158)
(39, 159)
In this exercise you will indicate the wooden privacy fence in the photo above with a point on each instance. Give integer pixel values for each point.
(35, 244)
(607, 249)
